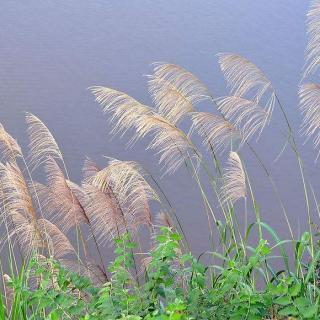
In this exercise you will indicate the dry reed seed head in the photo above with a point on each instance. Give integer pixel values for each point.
(57, 243)
(15, 192)
(175, 91)
(90, 270)
(42, 143)
(172, 105)
(246, 115)
(234, 180)
(104, 213)
(90, 168)
(246, 79)
(118, 199)
(217, 133)
(10, 149)
(23, 232)
(59, 202)
(169, 141)
(243, 76)
(124, 110)
(312, 51)
(125, 179)
(309, 95)
(172, 144)
(37, 235)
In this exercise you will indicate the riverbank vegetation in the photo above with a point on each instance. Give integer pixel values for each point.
(57, 235)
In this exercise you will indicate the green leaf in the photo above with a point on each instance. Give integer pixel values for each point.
(310, 311)
(289, 311)
(295, 289)
(54, 315)
(283, 301)
(301, 303)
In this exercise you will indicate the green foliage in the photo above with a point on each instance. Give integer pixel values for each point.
(173, 285)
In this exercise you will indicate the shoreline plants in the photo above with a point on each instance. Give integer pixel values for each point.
(55, 234)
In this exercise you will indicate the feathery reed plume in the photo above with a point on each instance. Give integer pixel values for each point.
(313, 46)
(42, 143)
(57, 243)
(175, 91)
(105, 215)
(217, 133)
(58, 201)
(169, 141)
(126, 184)
(234, 180)
(124, 110)
(16, 195)
(9, 146)
(31, 233)
(35, 235)
(309, 95)
(24, 232)
(173, 145)
(246, 115)
(18, 210)
(90, 168)
(102, 206)
(90, 270)
(244, 78)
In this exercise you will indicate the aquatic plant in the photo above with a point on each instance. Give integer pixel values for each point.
(56, 232)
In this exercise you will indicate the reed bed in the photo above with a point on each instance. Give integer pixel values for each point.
(55, 234)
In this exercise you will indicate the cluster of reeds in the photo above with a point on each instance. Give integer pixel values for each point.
(41, 218)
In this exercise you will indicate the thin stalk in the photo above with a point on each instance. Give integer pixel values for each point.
(300, 164)
(274, 187)
(256, 209)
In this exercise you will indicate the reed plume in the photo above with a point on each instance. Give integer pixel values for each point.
(20, 215)
(216, 132)
(175, 91)
(119, 199)
(90, 270)
(313, 46)
(15, 191)
(9, 147)
(246, 115)
(23, 232)
(247, 81)
(42, 143)
(37, 236)
(58, 201)
(169, 141)
(309, 95)
(90, 168)
(125, 111)
(57, 243)
(107, 199)
(234, 180)
(104, 213)
(243, 76)
(172, 144)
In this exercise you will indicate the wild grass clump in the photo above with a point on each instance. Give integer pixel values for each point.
(56, 233)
